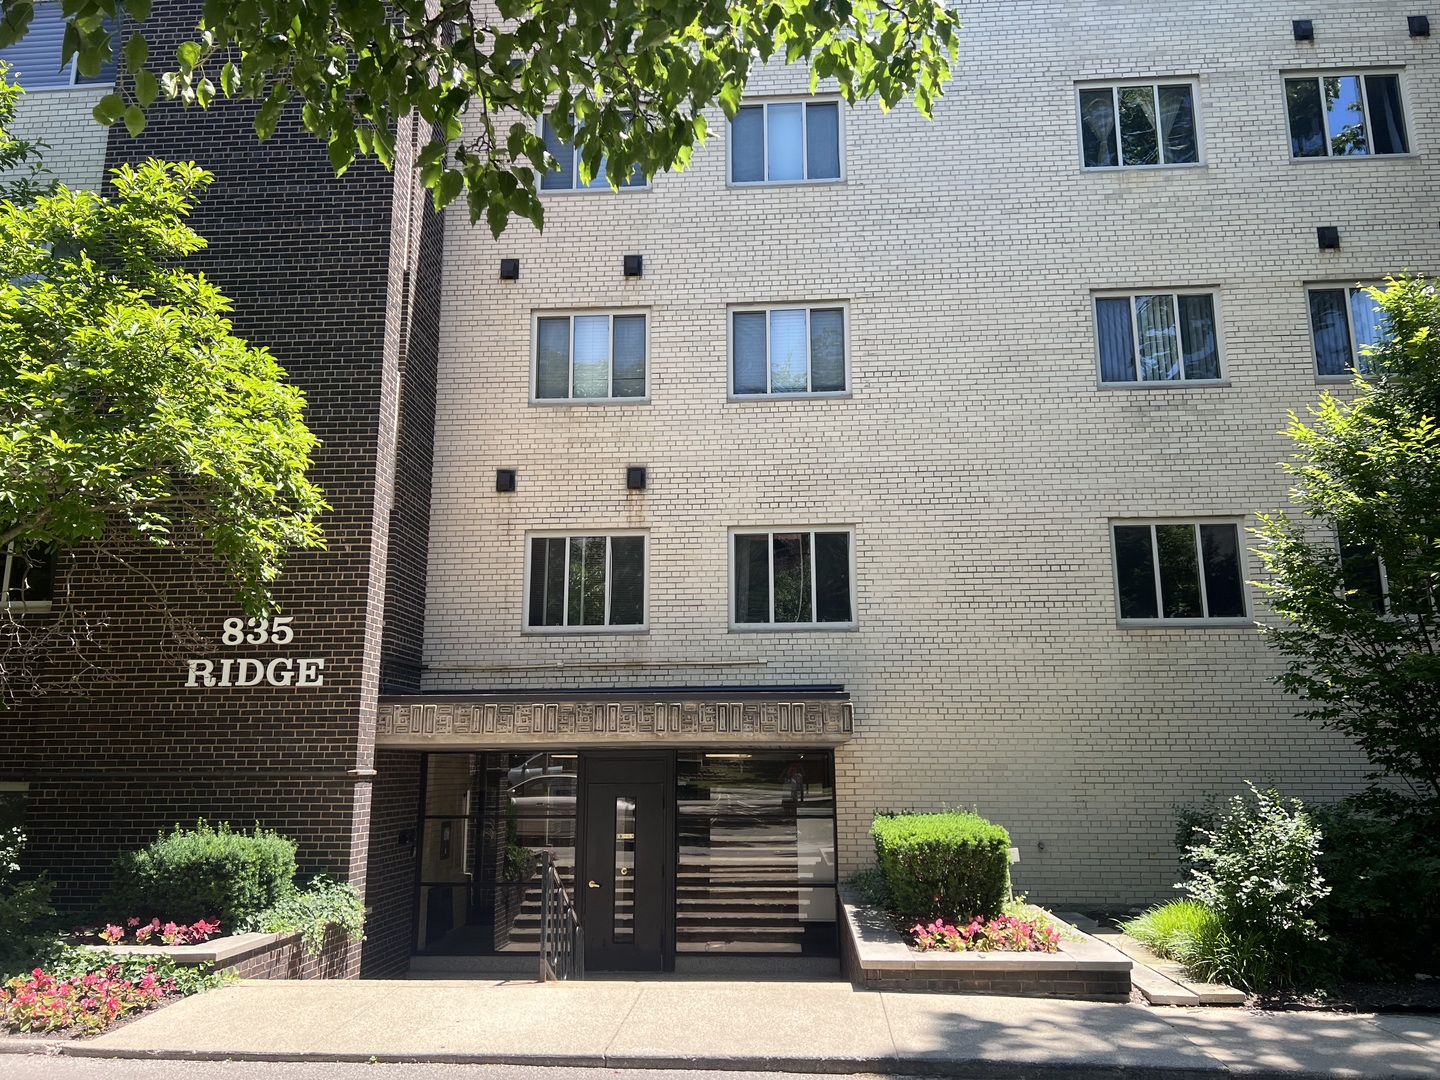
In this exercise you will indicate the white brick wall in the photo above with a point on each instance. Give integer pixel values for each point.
(976, 460)
(76, 151)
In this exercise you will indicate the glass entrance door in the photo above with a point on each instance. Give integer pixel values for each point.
(626, 880)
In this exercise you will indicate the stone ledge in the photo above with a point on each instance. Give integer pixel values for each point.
(223, 952)
(875, 956)
(261, 956)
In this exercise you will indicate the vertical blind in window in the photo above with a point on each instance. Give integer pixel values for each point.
(1179, 571)
(590, 356)
(785, 141)
(1343, 322)
(1157, 337)
(35, 59)
(789, 351)
(1138, 125)
(566, 175)
(793, 577)
(587, 581)
(1345, 115)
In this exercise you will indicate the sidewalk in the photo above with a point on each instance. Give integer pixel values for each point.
(792, 1026)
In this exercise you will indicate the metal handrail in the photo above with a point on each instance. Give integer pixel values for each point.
(562, 945)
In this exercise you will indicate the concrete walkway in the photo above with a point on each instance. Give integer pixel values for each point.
(791, 1026)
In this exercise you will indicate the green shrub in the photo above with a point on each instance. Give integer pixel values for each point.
(1170, 929)
(205, 872)
(25, 909)
(1257, 869)
(324, 903)
(1381, 859)
(950, 865)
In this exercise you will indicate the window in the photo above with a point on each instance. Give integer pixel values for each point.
(35, 59)
(27, 578)
(590, 357)
(1345, 115)
(1157, 337)
(567, 176)
(1156, 125)
(1179, 570)
(1364, 575)
(596, 582)
(1343, 322)
(793, 578)
(791, 350)
(785, 142)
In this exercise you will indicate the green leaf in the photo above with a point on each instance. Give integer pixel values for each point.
(109, 109)
(147, 88)
(188, 54)
(139, 9)
(134, 120)
(451, 184)
(137, 50)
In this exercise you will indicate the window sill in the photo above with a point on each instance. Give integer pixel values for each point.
(793, 628)
(826, 395)
(1185, 624)
(751, 185)
(582, 631)
(26, 607)
(1116, 170)
(1411, 156)
(1335, 380)
(1167, 384)
(591, 401)
(628, 189)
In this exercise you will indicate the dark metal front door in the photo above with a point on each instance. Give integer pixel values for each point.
(626, 880)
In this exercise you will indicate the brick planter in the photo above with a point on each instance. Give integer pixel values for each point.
(262, 956)
(874, 956)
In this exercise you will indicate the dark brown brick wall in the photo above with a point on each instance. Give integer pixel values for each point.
(119, 747)
(390, 891)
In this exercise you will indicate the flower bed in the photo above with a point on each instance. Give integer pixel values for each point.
(152, 933)
(1003, 933)
(42, 1002)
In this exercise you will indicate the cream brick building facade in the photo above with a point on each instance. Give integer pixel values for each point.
(977, 457)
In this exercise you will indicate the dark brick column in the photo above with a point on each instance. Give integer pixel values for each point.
(339, 278)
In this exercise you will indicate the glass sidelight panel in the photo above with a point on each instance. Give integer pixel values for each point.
(624, 911)
(756, 870)
(487, 818)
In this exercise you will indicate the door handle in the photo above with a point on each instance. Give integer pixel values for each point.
(592, 884)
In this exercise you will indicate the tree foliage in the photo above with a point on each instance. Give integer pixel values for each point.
(125, 400)
(1363, 654)
(626, 79)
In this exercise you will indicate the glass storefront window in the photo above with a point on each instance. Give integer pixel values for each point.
(756, 870)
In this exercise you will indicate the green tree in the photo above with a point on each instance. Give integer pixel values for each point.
(126, 403)
(1355, 576)
(625, 80)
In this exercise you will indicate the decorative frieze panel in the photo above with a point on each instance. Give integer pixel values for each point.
(502, 723)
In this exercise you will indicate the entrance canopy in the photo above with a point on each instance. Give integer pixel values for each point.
(811, 716)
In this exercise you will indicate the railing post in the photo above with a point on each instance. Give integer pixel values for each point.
(546, 874)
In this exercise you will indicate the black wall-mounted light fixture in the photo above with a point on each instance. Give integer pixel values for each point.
(1304, 29)
(504, 479)
(635, 478)
(1419, 25)
(509, 269)
(1328, 237)
(634, 266)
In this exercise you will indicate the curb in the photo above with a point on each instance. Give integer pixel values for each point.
(892, 1066)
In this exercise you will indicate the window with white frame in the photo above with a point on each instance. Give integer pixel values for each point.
(1157, 337)
(797, 578)
(776, 142)
(35, 59)
(1135, 125)
(788, 350)
(592, 582)
(1363, 572)
(1169, 570)
(27, 579)
(566, 175)
(590, 357)
(1345, 115)
(1345, 321)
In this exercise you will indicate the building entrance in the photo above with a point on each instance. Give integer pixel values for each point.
(626, 861)
(671, 856)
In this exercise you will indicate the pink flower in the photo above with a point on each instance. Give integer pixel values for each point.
(133, 921)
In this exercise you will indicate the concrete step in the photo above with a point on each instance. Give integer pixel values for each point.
(1173, 973)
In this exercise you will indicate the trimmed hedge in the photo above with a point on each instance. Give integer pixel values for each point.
(206, 872)
(943, 866)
